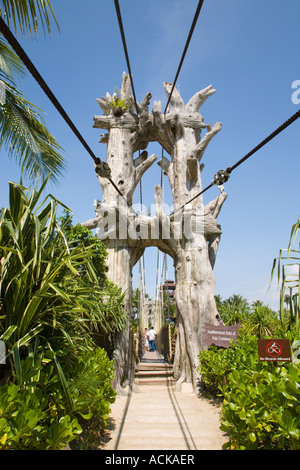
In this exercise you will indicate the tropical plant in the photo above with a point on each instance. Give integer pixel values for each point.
(54, 301)
(288, 273)
(33, 415)
(234, 309)
(116, 104)
(90, 385)
(22, 130)
(26, 138)
(261, 409)
(255, 318)
(77, 235)
(108, 313)
(42, 290)
(262, 320)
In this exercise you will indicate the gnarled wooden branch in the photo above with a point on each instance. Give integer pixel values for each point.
(214, 207)
(140, 165)
(198, 99)
(201, 146)
(143, 166)
(167, 167)
(176, 102)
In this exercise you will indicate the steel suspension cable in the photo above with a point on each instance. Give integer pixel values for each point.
(32, 69)
(4, 29)
(117, 6)
(229, 170)
(196, 16)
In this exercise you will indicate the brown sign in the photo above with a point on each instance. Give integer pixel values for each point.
(219, 335)
(274, 350)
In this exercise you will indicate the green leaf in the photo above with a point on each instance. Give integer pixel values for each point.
(8, 333)
(86, 416)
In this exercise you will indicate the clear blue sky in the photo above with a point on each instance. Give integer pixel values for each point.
(248, 50)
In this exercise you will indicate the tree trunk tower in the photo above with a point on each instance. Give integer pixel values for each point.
(190, 235)
(195, 244)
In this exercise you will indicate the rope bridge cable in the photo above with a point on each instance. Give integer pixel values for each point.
(118, 11)
(223, 175)
(39, 79)
(185, 49)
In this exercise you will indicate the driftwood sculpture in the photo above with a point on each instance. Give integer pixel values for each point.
(190, 235)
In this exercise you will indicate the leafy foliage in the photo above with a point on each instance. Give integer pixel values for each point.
(288, 273)
(54, 300)
(234, 309)
(261, 402)
(116, 104)
(90, 386)
(255, 318)
(25, 136)
(32, 413)
(108, 313)
(36, 262)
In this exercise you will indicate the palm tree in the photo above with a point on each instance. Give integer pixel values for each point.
(262, 320)
(218, 300)
(22, 130)
(234, 310)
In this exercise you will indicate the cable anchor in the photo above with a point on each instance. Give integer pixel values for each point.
(102, 169)
(221, 176)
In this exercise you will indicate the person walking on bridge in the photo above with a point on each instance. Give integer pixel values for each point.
(152, 337)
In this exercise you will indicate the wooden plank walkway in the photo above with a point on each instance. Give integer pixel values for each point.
(157, 417)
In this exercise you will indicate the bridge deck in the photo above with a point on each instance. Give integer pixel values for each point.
(157, 417)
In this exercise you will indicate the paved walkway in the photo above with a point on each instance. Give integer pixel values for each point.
(157, 417)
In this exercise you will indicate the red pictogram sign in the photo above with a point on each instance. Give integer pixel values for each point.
(274, 349)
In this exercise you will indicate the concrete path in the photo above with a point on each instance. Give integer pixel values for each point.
(157, 417)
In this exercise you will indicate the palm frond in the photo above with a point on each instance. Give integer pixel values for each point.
(28, 15)
(10, 64)
(26, 138)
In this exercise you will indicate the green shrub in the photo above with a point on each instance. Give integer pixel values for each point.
(216, 364)
(261, 401)
(91, 385)
(261, 409)
(55, 302)
(32, 417)
(34, 412)
(93, 395)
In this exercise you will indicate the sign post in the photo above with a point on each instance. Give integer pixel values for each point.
(274, 350)
(219, 335)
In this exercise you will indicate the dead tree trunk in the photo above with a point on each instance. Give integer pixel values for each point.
(113, 215)
(194, 248)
